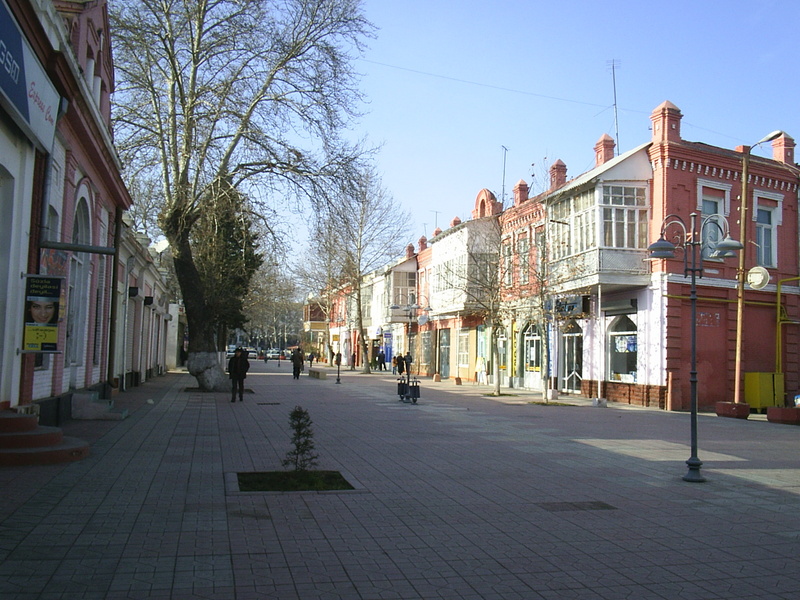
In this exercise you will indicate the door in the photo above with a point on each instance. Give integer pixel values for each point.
(571, 358)
(444, 353)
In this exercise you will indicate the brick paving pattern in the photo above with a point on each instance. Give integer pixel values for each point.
(458, 497)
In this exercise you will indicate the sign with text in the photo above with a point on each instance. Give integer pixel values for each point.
(42, 304)
(25, 90)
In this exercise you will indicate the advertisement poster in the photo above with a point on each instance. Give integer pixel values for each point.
(42, 301)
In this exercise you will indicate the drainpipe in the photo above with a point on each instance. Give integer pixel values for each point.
(112, 328)
(778, 324)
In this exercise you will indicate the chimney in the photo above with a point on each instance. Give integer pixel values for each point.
(558, 174)
(410, 251)
(604, 150)
(783, 149)
(520, 192)
(455, 221)
(666, 120)
(423, 243)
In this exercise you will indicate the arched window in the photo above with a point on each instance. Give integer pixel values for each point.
(622, 350)
(78, 288)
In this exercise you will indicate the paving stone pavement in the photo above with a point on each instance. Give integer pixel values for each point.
(460, 496)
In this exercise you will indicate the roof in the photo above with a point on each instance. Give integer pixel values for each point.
(595, 173)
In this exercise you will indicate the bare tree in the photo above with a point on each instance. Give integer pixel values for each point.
(272, 304)
(322, 275)
(247, 92)
(366, 228)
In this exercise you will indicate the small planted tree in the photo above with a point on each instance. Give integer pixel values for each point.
(302, 456)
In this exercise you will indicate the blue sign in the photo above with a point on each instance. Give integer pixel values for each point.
(25, 90)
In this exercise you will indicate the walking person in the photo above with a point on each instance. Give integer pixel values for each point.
(381, 361)
(297, 363)
(394, 365)
(407, 359)
(353, 361)
(238, 366)
(400, 365)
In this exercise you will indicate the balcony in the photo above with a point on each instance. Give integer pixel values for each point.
(619, 267)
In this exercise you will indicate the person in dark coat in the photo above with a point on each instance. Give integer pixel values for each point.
(400, 365)
(408, 360)
(381, 361)
(297, 363)
(238, 366)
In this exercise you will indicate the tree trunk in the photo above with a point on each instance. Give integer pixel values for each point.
(362, 338)
(495, 364)
(545, 370)
(203, 359)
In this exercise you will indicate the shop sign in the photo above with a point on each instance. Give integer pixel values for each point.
(25, 90)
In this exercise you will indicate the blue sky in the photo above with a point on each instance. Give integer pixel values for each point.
(451, 82)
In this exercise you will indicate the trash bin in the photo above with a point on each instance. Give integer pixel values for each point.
(414, 390)
(402, 388)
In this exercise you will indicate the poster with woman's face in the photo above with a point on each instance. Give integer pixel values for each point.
(42, 297)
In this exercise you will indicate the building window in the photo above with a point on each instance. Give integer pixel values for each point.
(507, 264)
(625, 223)
(404, 288)
(622, 350)
(560, 230)
(427, 347)
(765, 238)
(584, 221)
(463, 349)
(710, 233)
(523, 253)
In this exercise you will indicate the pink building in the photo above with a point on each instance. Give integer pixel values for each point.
(691, 177)
(63, 198)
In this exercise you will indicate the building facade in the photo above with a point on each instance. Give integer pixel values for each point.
(63, 199)
(583, 309)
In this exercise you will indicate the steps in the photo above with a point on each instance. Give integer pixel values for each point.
(24, 443)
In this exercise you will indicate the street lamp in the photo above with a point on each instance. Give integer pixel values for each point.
(410, 310)
(740, 273)
(691, 241)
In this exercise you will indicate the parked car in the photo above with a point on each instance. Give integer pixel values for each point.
(274, 353)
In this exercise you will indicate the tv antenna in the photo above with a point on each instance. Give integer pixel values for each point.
(615, 64)
(503, 191)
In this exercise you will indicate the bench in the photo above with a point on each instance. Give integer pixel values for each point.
(317, 373)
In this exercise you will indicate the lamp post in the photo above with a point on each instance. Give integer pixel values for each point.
(410, 310)
(740, 273)
(691, 241)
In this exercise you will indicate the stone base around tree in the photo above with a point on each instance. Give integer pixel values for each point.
(735, 410)
(779, 414)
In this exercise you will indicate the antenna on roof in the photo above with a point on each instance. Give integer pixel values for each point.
(615, 64)
(503, 191)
